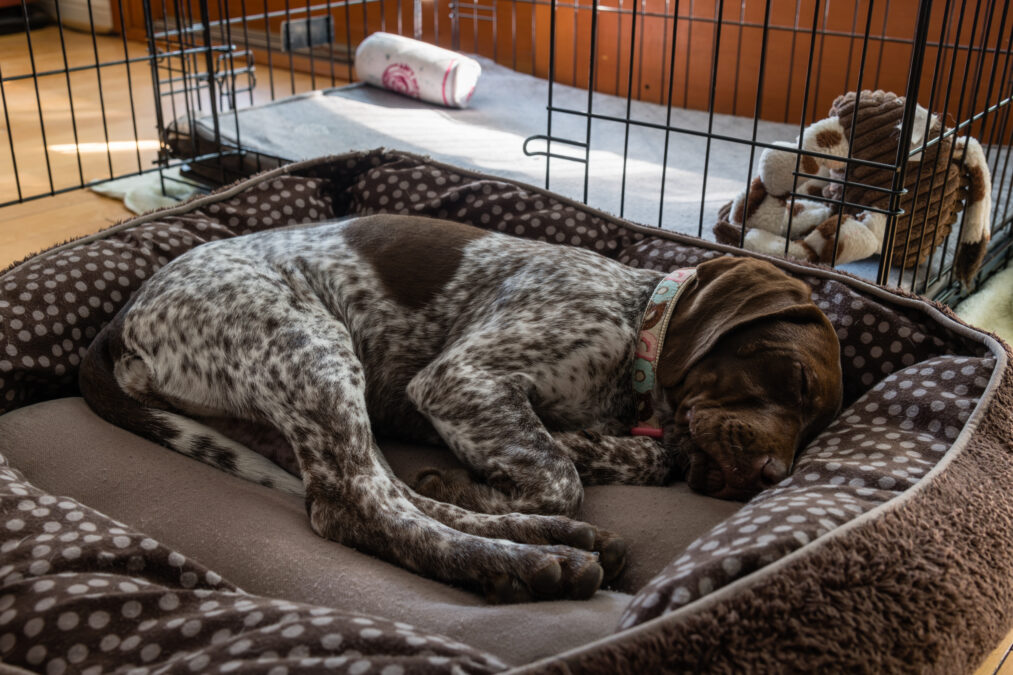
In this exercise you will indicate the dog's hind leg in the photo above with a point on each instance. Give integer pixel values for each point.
(488, 421)
(109, 371)
(351, 496)
(318, 402)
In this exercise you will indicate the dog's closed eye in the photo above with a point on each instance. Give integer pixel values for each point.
(802, 380)
(781, 365)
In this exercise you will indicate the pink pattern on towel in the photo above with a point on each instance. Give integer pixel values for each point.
(400, 77)
(446, 74)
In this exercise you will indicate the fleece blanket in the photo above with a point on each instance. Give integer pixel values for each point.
(887, 548)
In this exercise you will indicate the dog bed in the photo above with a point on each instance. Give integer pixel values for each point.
(887, 548)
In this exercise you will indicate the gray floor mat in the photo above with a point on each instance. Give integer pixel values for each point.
(509, 107)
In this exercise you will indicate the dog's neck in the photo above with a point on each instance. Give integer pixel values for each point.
(650, 341)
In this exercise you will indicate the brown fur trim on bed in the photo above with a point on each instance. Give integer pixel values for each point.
(918, 553)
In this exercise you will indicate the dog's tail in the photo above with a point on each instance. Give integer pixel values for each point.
(103, 391)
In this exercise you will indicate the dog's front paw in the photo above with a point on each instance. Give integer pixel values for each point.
(452, 486)
(611, 549)
(455, 486)
(430, 482)
(548, 573)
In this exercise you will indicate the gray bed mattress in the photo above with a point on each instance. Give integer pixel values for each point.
(507, 108)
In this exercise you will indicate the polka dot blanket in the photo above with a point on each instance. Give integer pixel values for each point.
(910, 391)
(85, 594)
(921, 394)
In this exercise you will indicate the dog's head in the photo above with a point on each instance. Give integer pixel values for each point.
(751, 371)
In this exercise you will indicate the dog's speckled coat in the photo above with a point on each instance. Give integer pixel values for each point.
(515, 353)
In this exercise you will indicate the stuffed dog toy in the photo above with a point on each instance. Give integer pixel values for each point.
(945, 175)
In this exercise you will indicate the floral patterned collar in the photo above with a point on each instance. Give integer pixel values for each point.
(649, 343)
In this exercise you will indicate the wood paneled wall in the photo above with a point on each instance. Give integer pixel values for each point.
(719, 47)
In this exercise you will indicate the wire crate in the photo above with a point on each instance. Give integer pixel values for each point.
(757, 64)
(658, 110)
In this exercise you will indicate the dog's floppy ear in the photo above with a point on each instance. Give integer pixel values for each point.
(727, 294)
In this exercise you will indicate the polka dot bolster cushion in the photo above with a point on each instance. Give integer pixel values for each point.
(921, 395)
(880, 446)
(908, 395)
(441, 192)
(52, 305)
(85, 594)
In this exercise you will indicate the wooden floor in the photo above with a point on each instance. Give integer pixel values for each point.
(34, 226)
(48, 145)
(1001, 660)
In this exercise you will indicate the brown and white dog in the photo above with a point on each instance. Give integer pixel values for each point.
(531, 361)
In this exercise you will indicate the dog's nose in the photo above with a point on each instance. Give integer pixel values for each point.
(772, 471)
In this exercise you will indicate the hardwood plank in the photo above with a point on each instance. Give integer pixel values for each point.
(34, 226)
(995, 662)
(83, 132)
(57, 149)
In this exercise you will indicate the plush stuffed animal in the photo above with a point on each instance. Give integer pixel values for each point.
(945, 186)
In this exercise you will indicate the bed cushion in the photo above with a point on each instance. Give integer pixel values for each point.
(260, 539)
(83, 593)
(890, 341)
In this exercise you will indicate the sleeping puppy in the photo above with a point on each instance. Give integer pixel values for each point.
(751, 372)
(542, 367)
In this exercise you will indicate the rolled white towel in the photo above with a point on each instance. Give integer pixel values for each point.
(417, 69)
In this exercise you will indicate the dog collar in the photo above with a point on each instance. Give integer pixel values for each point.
(649, 343)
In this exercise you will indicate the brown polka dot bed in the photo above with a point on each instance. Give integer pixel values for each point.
(890, 547)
